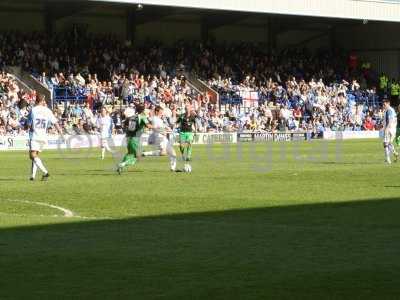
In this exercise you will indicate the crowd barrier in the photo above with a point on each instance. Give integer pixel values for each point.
(346, 135)
(9, 143)
(268, 136)
(301, 136)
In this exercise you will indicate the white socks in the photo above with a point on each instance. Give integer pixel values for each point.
(103, 150)
(188, 168)
(152, 153)
(172, 161)
(172, 156)
(387, 155)
(39, 164)
(392, 149)
(170, 152)
(34, 170)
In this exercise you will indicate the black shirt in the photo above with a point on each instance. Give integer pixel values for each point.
(186, 122)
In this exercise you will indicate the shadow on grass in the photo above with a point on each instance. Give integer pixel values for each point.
(343, 251)
(70, 158)
(347, 163)
(105, 173)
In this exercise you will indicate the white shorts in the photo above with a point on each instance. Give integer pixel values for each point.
(158, 140)
(37, 145)
(389, 136)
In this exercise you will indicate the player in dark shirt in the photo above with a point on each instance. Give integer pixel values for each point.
(134, 126)
(186, 123)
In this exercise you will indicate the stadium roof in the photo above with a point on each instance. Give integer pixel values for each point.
(379, 10)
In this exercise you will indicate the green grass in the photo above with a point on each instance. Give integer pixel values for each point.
(247, 225)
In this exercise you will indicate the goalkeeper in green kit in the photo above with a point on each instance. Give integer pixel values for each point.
(186, 123)
(134, 126)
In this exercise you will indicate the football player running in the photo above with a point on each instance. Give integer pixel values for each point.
(105, 125)
(161, 138)
(134, 125)
(186, 123)
(39, 120)
(389, 131)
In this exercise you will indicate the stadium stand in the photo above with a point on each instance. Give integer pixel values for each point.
(294, 90)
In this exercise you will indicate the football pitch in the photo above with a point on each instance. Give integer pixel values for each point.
(301, 220)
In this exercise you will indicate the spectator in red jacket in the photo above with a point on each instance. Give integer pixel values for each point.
(369, 124)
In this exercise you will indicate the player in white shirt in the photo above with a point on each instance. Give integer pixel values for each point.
(159, 138)
(105, 125)
(389, 131)
(39, 120)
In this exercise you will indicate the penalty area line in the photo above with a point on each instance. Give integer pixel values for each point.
(66, 212)
(52, 216)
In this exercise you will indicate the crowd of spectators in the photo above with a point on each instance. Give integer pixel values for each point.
(301, 105)
(317, 92)
(14, 105)
(297, 89)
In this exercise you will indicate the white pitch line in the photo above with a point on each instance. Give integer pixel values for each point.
(67, 213)
(54, 216)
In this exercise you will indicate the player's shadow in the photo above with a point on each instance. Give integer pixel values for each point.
(70, 158)
(105, 173)
(320, 251)
(345, 163)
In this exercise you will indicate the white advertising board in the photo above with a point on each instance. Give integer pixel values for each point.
(9, 143)
(345, 135)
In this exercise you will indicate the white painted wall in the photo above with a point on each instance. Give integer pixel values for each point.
(350, 9)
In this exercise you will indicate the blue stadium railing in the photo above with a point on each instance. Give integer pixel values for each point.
(231, 100)
(62, 94)
(365, 98)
